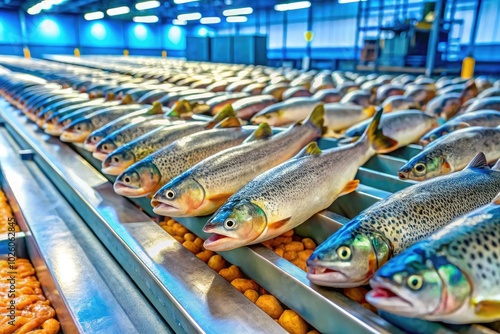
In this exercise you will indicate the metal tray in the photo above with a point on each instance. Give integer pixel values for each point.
(326, 309)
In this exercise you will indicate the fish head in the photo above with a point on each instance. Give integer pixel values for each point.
(237, 223)
(77, 131)
(416, 285)
(92, 140)
(105, 147)
(116, 162)
(139, 180)
(435, 134)
(348, 259)
(423, 167)
(179, 197)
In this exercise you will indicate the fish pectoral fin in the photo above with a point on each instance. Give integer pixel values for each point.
(279, 224)
(496, 200)
(349, 187)
(156, 109)
(487, 308)
(479, 161)
(219, 198)
(446, 167)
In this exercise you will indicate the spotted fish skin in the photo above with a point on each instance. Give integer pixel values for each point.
(487, 118)
(452, 152)
(465, 255)
(401, 220)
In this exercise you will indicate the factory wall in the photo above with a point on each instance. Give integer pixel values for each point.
(61, 34)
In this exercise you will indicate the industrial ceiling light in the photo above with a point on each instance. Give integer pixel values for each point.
(238, 11)
(147, 5)
(189, 17)
(93, 16)
(178, 2)
(292, 6)
(179, 22)
(45, 5)
(145, 19)
(349, 1)
(210, 20)
(236, 19)
(118, 11)
(36, 9)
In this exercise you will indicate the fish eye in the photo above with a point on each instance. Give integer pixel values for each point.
(78, 128)
(94, 139)
(415, 282)
(116, 160)
(344, 252)
(170, 194)
(126, 179)
(229, 224)
(105, 147)
(420, 168)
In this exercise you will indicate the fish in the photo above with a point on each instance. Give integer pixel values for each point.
(388, 90)
(420, 93)
(339, 116)
(486, 103)
(297, 91)
(78, 130)
(123, 157)
(357, 97)
(246, 107)
(274, 202)
(488, 118)
(404, 126)
(350, 256)
(489, 92)
(46, 114)
(452, 152)
(150, 174)
(276, 90)
(254, 89)
(142, 125)
(203, 188)
(96, 136)
(216, 104)
(286, 112)
(398, 102)
(452, 276)
(328, 95)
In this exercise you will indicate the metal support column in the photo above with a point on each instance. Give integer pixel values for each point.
(309, 28)
(285, 29)
(475, 23)
(357, 33)
(433, 40)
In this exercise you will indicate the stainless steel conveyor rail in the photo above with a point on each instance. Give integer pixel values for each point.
(189, 295)
(88, 290)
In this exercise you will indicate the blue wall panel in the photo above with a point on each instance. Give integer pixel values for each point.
(102, 33)
(174, 37)
(144, 36)
(46, 29)
(10, 28)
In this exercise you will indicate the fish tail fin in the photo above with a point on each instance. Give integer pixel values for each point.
(496, 200)
(376, 138)
(110, 96)
(317, 118)
(156, 109)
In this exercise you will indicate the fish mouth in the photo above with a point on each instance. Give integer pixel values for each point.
(217, 242)
(162, 208)
(99, 155)
(404, 175)
(52, 129)
(74, 137)
(40, 122)
(383, 297)
(89, 146)
(127, 191)
(424, 142)
(112, 170)
(324, 276)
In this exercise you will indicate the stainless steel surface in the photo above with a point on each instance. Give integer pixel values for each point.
(88, 290)
(26, 154)
(19, 245)
(187, 293)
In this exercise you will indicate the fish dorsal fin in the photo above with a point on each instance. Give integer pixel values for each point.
(230, 122)
(496, 166)
(316, 118)
(380, 142)
(156, 109)
(496, 200)
(479, 161)
(226, 112)
(127, 99)
(110, 96)
(181, 108)
(311, 149)
(262, 132)
(370, 111)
